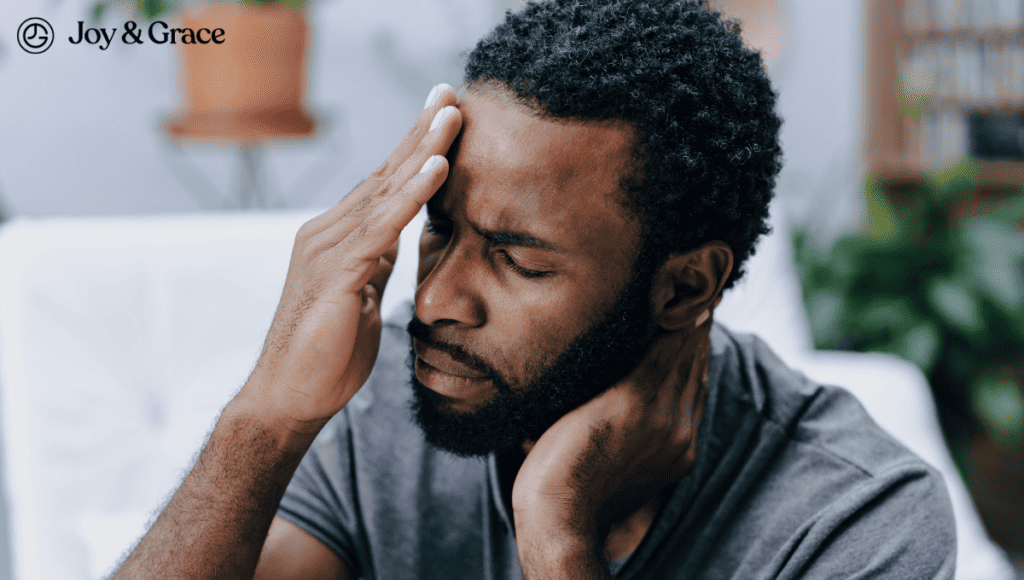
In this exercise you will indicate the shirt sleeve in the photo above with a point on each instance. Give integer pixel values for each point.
(897, 525)
(321, 497)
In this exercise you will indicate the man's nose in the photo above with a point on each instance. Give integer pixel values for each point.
(448, 294)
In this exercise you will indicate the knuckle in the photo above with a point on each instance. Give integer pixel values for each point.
(309, 251)
(306, 231)
(382, 171)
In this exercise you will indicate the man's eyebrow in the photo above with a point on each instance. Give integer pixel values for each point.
(504, 237)
(512, 238)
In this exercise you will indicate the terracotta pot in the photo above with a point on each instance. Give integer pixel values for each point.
(250, 86)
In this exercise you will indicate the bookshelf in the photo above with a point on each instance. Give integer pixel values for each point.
(945, 77)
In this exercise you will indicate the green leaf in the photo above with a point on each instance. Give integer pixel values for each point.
(824, 314)
(883, 221)
(98, 10)
(920, 345)
(1000, 404)
(956, 305)
(913, 91)
(152, 9)
(1012, 210)
(957, 181)
(893, 315)
(996, 250)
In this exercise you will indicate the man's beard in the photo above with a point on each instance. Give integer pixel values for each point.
(592, 363)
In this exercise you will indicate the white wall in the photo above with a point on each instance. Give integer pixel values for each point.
(80, 128)
(820, 79)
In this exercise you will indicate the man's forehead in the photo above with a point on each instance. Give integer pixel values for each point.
(515, 169)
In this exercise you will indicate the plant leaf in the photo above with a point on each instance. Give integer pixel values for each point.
(883, 222)
(959, 180)
(956, 305)
(98, 10)
(1012, 210)
(824, 314)
(996, 250)
(1000, 404)
(152, 9)
(920, 345)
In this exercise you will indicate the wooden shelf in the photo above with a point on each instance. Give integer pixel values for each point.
(902, 149)
(951, 35)
(978, 106)
(1001, 173)
(903, 172)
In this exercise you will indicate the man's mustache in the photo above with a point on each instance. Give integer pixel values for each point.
(421, 332)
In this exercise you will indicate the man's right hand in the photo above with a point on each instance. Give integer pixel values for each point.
(324, 338)
(319, 351)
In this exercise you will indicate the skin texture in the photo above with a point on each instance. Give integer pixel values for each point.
(591, 484)
(510, 243)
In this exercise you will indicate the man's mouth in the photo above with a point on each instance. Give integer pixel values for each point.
(443, 374)
(443, 362)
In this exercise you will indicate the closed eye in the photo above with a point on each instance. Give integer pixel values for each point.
(525, 273)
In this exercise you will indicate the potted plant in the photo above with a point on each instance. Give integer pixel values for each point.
(249, 85)
(938, 279)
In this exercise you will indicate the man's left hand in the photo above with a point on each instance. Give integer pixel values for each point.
(611, 456)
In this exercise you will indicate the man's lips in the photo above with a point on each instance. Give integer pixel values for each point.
(442, 362)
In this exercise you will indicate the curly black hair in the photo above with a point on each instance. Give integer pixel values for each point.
(700, 103)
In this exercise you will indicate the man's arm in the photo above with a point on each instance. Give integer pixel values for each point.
(291, 553)
(215, 524)
(319, 351)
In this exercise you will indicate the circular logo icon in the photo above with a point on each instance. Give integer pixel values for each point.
(35, 35)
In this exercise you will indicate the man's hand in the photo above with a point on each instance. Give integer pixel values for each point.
(324, 337)
(319, 351)
(609, 457)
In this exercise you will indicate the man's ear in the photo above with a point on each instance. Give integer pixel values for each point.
(690, 284)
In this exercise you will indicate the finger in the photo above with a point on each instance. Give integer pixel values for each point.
(445, 96)
(661, 360)
(361, 251)
(431, 134)
(443, 130)
(323, 221)
(695, 390)
(380, 277)
(448, 122)
(395, 212)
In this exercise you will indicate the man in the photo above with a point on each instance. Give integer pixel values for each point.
(568, 408)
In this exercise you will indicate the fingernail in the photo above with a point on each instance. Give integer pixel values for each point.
(431, 163)
(702, 318)
(440, 117)
(431, 97)
(435, 93)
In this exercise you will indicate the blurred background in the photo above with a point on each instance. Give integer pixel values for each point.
(903, 138)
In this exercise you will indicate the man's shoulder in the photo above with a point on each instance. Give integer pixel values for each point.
(806, 413)
(824, 483)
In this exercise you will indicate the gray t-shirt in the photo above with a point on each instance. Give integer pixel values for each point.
(792, 480)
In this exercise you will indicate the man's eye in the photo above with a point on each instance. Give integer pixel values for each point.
(519, 269)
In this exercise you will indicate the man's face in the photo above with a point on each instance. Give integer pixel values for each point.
(526, 304)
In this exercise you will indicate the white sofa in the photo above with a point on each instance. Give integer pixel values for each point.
(121, 338)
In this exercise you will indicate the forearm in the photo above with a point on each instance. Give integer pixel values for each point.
(215, 524)
(549, 550)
